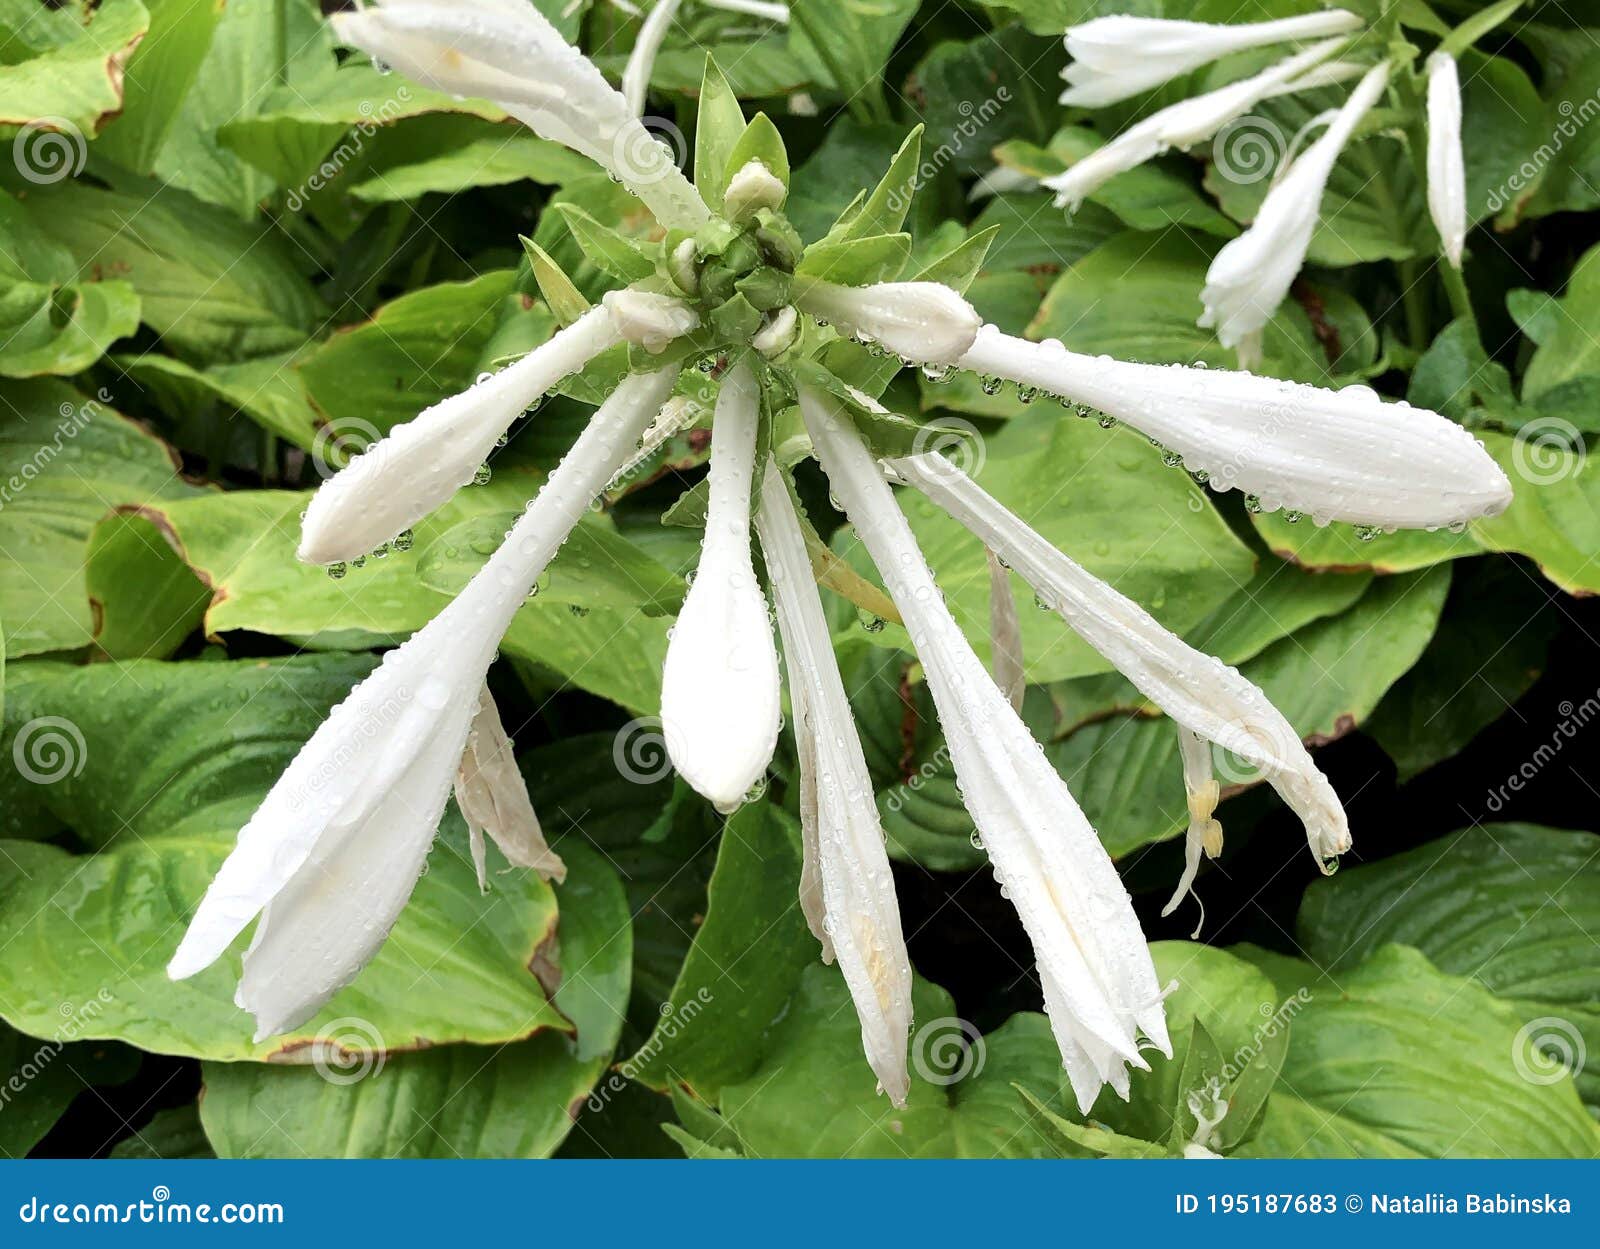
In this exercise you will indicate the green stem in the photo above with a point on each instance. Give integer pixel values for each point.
(1477, 26)
(1455, 289)
(1415, 305)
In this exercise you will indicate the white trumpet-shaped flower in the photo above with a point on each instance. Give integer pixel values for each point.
(1120, 56)
(418, 465)
(336, 847)
(1334, 455)
(1183, 124)
(1250, 276)
(652, 33)
(1447, 178)
(719, 687)
(508, 52)
(1204, 695)
(1099, 983)
(493, 799)
(918, 321)
(847, 891)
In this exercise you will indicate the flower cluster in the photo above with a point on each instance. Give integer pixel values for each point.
(331, 856)
(1115, 58)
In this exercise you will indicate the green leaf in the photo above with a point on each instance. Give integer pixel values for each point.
(846, 46)
(760, 141)
(64, 68)
(174, 1133)
(975, 95)
(617, 254)
(857, 261)
(447, 153)
(268, 390)
(42, 1076)
(883, 212)
(65, 459)
(1554, 517)
(1566, 351)
(162, 807)
(45, 330)
(1515, 907)
(718, 126)
(565, 300)
(144, 598)
(158, 76)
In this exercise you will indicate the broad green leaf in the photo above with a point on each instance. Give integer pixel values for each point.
(162, 806)
(1567, 352)
(884, 210)
(453, 1101)
(446, 153)
(1342, 548)
(846, 45)
(852, 157)
(1554, 517)
(144, 598)
(268, 390)
(65, 460)
(975, 95)
(45, 330)
(857, 261)
(174, 1133)
(1514, 906)
(157, 77)
(64, 69)
(1397, 1059)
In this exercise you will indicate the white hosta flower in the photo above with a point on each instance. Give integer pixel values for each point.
(420, 464)
(847, 890)
(751, 189)
(1005, 633)
(336, 847)
(1116, 57)
(719, 687)
(1335, 455)
(778, 334)
(648, 320)
(1099, 983)
(918, 321)
(508, 52)
(1250, 276)
(768, 9)
(1204, 695)
(1447, 177)
(1183, 124)
(494, 800)
(652, 33)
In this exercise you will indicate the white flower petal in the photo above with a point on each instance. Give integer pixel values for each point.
(1201, 693)
(719, 686)
(649, 320)
(1005, 633)
(508, 52)
(918, 321)
(493, 799)
(1447, 178)
(379, 768)
(652, 33)
(751, 189)
(1336, 455)
(1099, 982)
(418, 465)
(1116, 57)
(862, 918)
(1250, 276)
(768, 9)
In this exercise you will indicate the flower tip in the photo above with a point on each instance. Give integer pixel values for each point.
(751, 189)
(648, 320)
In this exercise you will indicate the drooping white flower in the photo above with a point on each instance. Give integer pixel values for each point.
(1447, 178)
(918, 321)
(1208, 698)
(1120, 56)
(1183, 124)
(494, 800)
(649, 320)
(421, 463)
(1250, 276)
(847, 891)
(719, 687)
(1334, 455)
(1099, 983)
(508, 52)
(336, 847)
